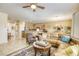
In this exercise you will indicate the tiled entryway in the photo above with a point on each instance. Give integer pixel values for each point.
(12, 45)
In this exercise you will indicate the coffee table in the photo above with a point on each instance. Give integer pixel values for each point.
(42, 49)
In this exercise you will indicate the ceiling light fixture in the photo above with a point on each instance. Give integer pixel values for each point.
(33, 6)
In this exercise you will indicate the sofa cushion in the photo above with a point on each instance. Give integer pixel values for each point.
(72, 50)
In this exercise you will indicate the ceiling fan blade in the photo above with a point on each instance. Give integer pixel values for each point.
(26, 6)
(41, 7)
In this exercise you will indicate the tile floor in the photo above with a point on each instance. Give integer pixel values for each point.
(12, 46)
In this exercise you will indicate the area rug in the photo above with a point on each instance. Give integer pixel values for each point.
(29, 52)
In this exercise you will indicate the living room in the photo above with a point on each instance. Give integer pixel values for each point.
(39, 29)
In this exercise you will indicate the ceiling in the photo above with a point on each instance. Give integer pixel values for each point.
(52, 11)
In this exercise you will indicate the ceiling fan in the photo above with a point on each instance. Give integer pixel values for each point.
(33, 6)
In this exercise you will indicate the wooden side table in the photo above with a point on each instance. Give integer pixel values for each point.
(42, 49)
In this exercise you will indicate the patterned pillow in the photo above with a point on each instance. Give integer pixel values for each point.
(72, 50)
(65, 38)
(68, 51)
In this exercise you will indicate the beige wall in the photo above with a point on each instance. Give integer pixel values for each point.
(58, 23)
(3, 27)
(49, 25)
